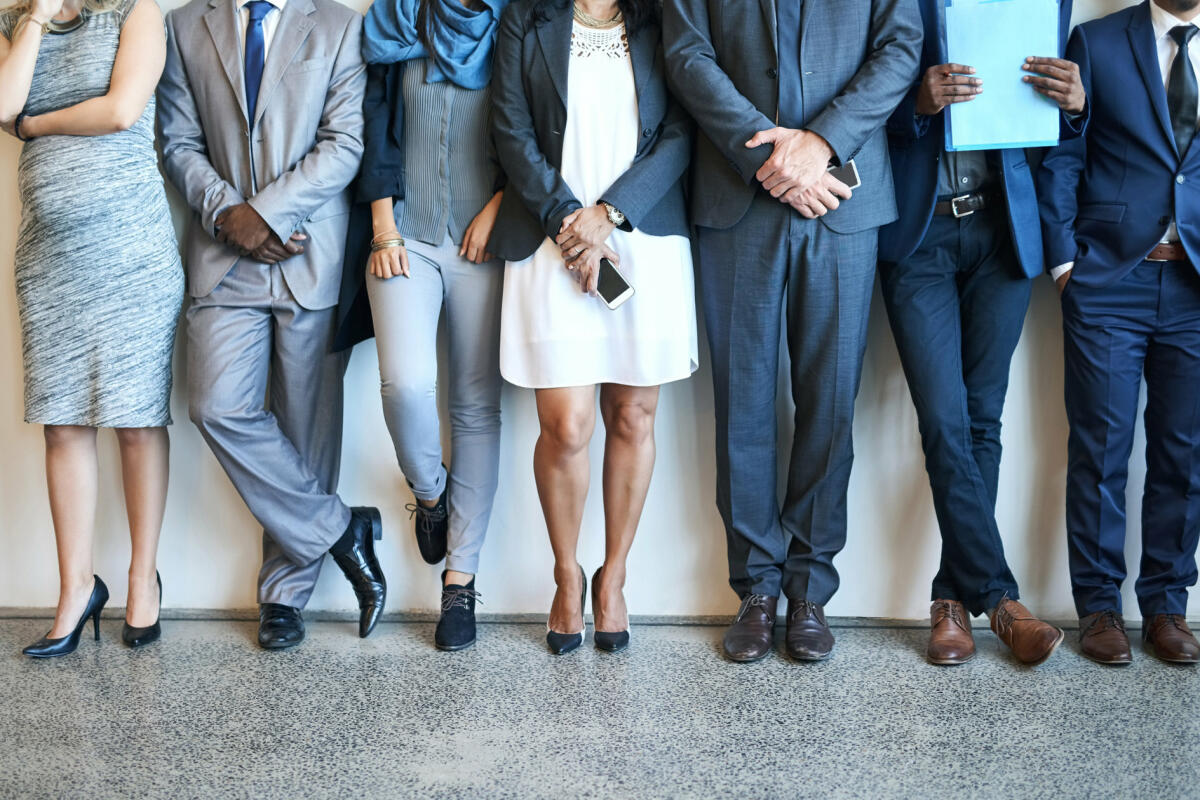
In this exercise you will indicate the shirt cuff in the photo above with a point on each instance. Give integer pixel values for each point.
(1061, 269)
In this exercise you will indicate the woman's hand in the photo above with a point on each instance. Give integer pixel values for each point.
(586, 266)
(475, 240)
(42, 11)
(584, 228)
(389, 262)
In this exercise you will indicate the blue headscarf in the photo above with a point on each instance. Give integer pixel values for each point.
(463, 39)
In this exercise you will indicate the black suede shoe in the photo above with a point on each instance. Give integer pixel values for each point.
(456, 628)
(279, 626)
(432, 527)
(355, 556)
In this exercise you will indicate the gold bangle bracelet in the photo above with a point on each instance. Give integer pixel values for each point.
(386, 244)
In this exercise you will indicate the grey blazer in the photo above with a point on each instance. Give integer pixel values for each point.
(529, 116)
(307, 139)
(858, 59)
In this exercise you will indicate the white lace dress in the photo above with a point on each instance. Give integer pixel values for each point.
(552, 334)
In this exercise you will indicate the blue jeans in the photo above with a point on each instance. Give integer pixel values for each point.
(1145, 325)
(957, 306)
(406, 312)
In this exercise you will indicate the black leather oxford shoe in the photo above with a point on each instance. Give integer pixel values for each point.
(279, 626)
(360, 566)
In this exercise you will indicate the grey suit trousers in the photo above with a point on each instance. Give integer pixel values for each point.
(266, 393)
(770, 260)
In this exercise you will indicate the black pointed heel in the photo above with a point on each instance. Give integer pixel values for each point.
(562, 643)
(605, 640)
(52, 648)
(140, 637)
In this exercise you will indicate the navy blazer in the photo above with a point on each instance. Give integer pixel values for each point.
(916, 144)
(1107, 198)
(529, 117)
(859, 58)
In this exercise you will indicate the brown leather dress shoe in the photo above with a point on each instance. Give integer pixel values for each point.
(1031, 640)
(1168, 638)
(1102, 638)
(752, 633)
(808, 635)
(950, 638)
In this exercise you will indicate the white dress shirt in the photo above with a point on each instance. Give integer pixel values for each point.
(270, 23)
(1163, 21)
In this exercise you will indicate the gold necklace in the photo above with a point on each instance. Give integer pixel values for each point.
(589, 21)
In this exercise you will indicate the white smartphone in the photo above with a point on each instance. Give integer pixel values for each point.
(611, 285)
(848, 174)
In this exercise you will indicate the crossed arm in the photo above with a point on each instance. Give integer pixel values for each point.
(136, 69)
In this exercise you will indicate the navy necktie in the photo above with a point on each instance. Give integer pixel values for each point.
(255, 52)
(1181, 90)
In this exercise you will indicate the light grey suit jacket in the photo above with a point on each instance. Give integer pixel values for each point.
(306, 144)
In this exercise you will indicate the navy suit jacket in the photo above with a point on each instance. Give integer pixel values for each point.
(916, 145)
(1108, 197)
(859, 57)
(529, 118)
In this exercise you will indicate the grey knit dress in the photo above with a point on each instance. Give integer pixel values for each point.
(99, 278)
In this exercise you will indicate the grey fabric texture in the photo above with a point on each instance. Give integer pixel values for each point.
(99, 281)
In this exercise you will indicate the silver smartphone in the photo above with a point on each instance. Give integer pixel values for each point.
(848, 174)
(611, 285)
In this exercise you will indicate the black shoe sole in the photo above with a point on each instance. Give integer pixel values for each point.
(283, 646)
(453, 648)
(735, 660)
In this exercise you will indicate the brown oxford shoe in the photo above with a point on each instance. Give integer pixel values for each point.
(1168, 638)
(808, 635)
(752, 633)
(1102, 638)
(950, 638)
(1031, 640)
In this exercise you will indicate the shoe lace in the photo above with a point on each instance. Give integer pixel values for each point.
(459, 597)
(428, 518)
(802, 609)
(751, 601)
(950, 610)
(1107, 620)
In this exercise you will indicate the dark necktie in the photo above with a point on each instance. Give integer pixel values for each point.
(256, 49)
(1181, 90)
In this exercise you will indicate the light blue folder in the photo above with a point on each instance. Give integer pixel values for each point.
(995, 37)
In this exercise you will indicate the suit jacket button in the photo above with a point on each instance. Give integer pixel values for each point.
(772, 73)
(1180, 179)
(646, 133)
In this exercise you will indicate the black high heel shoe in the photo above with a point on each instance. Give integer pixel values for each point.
(563, 643)
(140, 637)
(50, 648)
(605, 640)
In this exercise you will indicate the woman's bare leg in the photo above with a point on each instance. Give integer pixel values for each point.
(145, 467)
(72, 477)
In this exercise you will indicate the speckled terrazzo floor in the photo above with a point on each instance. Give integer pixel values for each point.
(205, 714)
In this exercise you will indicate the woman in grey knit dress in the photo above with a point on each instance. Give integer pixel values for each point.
(99, 280)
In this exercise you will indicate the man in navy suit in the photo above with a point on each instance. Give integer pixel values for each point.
(956, 270)
(1121, 222)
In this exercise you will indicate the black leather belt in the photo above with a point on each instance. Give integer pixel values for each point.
(965, 204)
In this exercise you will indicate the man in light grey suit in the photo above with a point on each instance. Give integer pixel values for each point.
(260, 120)
(781, 90)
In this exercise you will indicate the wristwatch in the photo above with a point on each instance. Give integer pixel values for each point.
(614, 215)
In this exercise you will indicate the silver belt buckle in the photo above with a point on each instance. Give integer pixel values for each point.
(954, 206)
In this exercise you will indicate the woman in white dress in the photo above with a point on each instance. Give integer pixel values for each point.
(595, 150)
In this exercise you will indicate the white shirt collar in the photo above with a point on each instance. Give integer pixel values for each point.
(1163, 20)
(279, 4)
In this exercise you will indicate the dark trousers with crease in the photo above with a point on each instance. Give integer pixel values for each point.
(774, 259)
(1147, 325)
(957, 306)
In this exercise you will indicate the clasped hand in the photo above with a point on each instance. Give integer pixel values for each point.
(585, 265)
(582, 229)
(1055, 78)
(797, 172)
(243, 229)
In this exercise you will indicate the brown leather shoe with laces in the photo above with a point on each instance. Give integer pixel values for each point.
(1031, 640)
(1168, 638)
(808, 635)
(752, 633)
(1102, 638)
(950, 637)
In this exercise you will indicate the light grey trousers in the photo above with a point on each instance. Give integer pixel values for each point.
(248, 340)
(406, 313)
